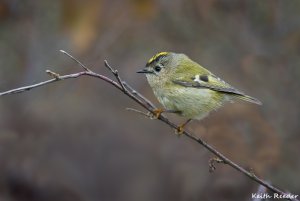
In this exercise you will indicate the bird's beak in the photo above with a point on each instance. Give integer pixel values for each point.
(145, 70)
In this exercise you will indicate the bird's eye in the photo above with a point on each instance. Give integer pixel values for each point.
(157, 68)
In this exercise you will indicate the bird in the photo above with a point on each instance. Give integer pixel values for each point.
(186, 88)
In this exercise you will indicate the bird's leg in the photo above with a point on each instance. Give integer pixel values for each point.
(179, 129)
(157, 112)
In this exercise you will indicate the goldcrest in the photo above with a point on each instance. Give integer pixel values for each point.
(184, 87)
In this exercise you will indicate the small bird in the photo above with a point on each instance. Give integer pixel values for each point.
(186, 88)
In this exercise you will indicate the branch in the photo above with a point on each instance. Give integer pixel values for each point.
(146, 104)
(59, 78)
(76, 60)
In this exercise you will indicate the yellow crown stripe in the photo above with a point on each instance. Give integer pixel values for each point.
(157, 56)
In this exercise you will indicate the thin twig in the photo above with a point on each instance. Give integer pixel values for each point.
(76, 60)
(138, 111)
(145, 103)
(116, 74)
(59, 78)
(53, 74)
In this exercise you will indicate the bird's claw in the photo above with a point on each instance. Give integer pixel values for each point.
(179, 130)
(156, 113)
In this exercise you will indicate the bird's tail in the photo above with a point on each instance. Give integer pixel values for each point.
(249, 99)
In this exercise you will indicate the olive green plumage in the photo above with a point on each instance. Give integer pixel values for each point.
(182, 85)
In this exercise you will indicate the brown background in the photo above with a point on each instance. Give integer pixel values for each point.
(74, 140)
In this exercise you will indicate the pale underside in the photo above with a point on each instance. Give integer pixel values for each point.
(193, 103)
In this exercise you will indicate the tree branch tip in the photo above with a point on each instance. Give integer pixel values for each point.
(53, 74)
(76, 60)
(109, 67)
(137, 111)
(106, 63)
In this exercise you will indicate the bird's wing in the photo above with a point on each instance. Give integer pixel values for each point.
(210, 82)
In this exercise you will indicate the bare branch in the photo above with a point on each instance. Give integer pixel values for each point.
(27, 88)
(57, 78)
(116, 74)
(76, 60)
(138, 111)
(146, 104)
(53, 74)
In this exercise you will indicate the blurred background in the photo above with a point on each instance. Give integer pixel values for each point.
(74, 140)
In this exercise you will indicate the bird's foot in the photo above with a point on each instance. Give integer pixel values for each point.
(179, 130)
(156, 113)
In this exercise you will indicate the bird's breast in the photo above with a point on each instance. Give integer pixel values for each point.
(192, 102)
